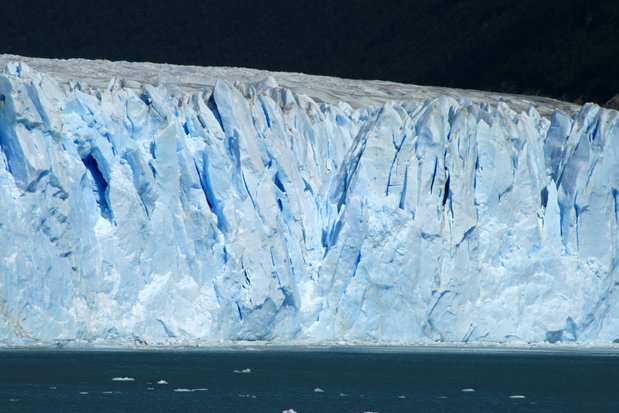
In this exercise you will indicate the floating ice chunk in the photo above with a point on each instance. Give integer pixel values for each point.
(343, 395)
(13, 400)
(83, 392)
(468, 390)
(244, 371)
(123, 379)
(182, 390)
(108, 392)
(162, 382)
(517, 396)
(289, 411)
(53, 388)
(249, 396)
(318, 390)
(401, 397)
(150, 388)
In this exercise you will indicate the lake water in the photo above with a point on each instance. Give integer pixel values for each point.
(308, 380)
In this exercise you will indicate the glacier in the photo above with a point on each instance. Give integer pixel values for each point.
(251, 206)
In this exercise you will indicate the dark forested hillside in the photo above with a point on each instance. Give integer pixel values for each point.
(567, 49)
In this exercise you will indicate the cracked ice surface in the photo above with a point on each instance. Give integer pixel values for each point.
(250, 211)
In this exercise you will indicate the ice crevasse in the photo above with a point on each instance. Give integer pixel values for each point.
(248, 211)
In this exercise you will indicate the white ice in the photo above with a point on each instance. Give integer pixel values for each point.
(165, 205)
(243, 371)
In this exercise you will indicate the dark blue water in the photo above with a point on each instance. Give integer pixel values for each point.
(324, 380)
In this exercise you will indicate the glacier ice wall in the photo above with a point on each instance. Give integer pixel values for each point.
(249, 212)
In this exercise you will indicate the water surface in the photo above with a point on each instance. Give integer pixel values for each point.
(310, 380)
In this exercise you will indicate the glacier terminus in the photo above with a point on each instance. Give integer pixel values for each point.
(165, 208)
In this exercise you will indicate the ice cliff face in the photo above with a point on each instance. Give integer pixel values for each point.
(250, 212)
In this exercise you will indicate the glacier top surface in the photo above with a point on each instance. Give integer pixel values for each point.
(357, 93)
